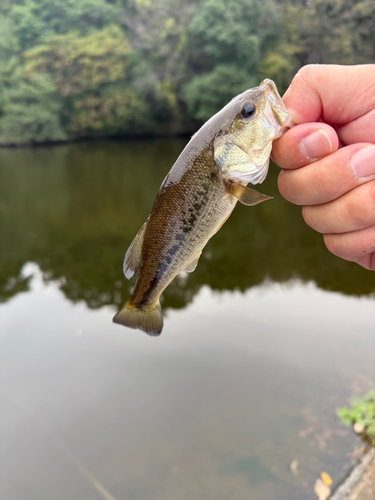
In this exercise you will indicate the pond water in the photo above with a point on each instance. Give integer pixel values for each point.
(261, 343)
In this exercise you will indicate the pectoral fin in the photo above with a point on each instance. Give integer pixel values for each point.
(193, 264)
(245, 195)
(133, 257)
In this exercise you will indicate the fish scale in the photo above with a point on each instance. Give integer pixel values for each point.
(205, 205)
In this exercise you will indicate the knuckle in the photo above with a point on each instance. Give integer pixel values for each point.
(321, 184)
(354, 211)
(282, 183)
(310, 75)
(286, 185)
(350, 246)
(367, 261)
(370, 202)
(361, 242)
(333, 243)
(372, 262)
(305, 73)
(361, 209)
(310, 217)
(313, 75)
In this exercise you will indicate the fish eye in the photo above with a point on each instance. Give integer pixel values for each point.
(249, 110)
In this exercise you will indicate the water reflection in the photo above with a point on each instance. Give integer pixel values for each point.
(208, 410)
(74, 210)
(258, 349)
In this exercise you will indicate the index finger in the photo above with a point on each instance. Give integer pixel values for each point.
(304, 144)
(335, 94)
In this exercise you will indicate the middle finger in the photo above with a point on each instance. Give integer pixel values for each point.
(329, 178)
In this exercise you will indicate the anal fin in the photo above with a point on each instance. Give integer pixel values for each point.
(246, 195)
(193, 264)
(133, 256)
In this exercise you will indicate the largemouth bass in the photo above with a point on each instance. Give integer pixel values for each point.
(198, 195)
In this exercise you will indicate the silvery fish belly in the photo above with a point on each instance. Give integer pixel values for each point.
(198, 195)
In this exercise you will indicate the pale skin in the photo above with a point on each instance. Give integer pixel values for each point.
(328, 158)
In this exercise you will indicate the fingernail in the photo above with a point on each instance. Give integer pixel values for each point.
(363, 162)
(316, 145)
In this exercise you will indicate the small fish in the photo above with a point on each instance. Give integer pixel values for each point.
(199, 194)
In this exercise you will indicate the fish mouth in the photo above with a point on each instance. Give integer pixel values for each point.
(281, 119)
(270, 90)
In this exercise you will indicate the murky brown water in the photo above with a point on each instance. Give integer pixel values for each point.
(261, 343)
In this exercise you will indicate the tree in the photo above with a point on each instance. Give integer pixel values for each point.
(227, 80)
(78, 64)
(158, 31)
(90, 74)
(226, 40)
(36, 20)
(223, 31)
(29, 110)
(113, 111)
(321, 31)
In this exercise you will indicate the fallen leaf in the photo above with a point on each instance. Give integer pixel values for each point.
(326, 478)
(294, 467)
(322, 490)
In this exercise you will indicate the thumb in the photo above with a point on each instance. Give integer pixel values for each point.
(335, 94)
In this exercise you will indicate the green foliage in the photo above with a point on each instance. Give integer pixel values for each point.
(73, 68)
(9, 52)
(225, 40)
(321, 31)
(362, 412)
(115, 111)
(36, 20)
(77, 64)
(232, 30)
(80, 82)
(158, 32)
(30, 111)
(207, 93)
(280, 66)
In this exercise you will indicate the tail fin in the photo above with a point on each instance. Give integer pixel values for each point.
(149, 319)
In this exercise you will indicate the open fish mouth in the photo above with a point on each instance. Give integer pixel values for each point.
(276, 113)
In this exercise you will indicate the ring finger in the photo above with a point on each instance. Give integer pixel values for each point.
(350, 212)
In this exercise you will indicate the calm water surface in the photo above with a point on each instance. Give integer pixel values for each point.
(261, 343)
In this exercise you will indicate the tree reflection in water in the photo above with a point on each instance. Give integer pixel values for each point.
(74, 209)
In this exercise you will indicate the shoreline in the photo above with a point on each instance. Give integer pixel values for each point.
(360, 484)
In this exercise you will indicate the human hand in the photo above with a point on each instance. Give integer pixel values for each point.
(329, 156)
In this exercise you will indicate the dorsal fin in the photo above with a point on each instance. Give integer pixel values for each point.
(245, 195)
(133, 257)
